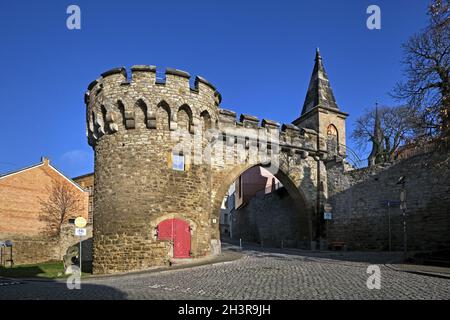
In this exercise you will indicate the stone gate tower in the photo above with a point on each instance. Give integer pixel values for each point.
(130, 123)
(157, 197)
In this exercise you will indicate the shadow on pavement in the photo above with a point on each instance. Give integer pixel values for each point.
(21, 271)
(349, 256)
(17, 289)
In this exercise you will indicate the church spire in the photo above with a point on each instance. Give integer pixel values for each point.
(318, 54)
(376, 155)
(319, 90)
(377, 129)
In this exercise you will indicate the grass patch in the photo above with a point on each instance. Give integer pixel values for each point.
(48, 270)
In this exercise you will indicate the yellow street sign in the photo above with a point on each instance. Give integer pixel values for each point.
(80, 222)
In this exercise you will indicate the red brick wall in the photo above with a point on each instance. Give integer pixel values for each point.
(20, 204)
(254, 180)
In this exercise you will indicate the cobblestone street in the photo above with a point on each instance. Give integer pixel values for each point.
(257, 275)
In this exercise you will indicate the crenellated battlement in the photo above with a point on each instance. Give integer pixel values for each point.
(145, 100)
(146, 75)
(117, 99)
(288, 136)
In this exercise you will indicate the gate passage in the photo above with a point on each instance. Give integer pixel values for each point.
(179, 232)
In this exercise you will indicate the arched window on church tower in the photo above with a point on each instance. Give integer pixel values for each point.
(332, 140)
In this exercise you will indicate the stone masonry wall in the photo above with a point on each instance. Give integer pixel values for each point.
(38, 248)
(272, 219)
(361, 220)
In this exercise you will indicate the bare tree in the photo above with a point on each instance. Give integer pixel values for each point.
(427, 65)
(395, 126)
(62, 203)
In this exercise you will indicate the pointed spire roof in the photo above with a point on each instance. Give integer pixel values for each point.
(377, 133)
(319, 90)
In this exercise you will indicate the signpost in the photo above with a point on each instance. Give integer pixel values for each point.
(403, 208)
(389, 204)
(327, 215)
(80, 231)
(401, 181)
(6, 244)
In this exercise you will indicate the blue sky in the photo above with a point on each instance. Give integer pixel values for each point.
(259, 54)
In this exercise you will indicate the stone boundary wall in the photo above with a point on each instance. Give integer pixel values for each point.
(38, 249)
(361, 219)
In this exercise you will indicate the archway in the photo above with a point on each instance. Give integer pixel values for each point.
(294, 216)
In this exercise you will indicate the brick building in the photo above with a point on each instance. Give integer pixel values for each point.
(256, 180)
(21, 194)
(86, 181)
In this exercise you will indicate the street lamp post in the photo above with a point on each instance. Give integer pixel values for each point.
(389, 226)
(390, 204)
(401, 182)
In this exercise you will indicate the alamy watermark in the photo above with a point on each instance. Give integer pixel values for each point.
(374, 280)
(230, 146)
(374, 20)
(73, 21)
(74, 280)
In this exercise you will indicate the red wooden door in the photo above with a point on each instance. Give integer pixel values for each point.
(165, 230)
(182, 239)
(178, 231)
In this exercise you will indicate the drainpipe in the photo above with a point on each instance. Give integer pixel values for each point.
(318, 192)
(318, 202)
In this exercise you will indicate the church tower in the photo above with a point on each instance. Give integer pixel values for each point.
(321, 113)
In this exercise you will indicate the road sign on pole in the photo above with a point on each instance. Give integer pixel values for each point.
(80, 222)
(401, 182)
(390, 204)
(80, 232)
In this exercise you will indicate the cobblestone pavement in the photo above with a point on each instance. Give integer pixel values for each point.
(257, 275)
